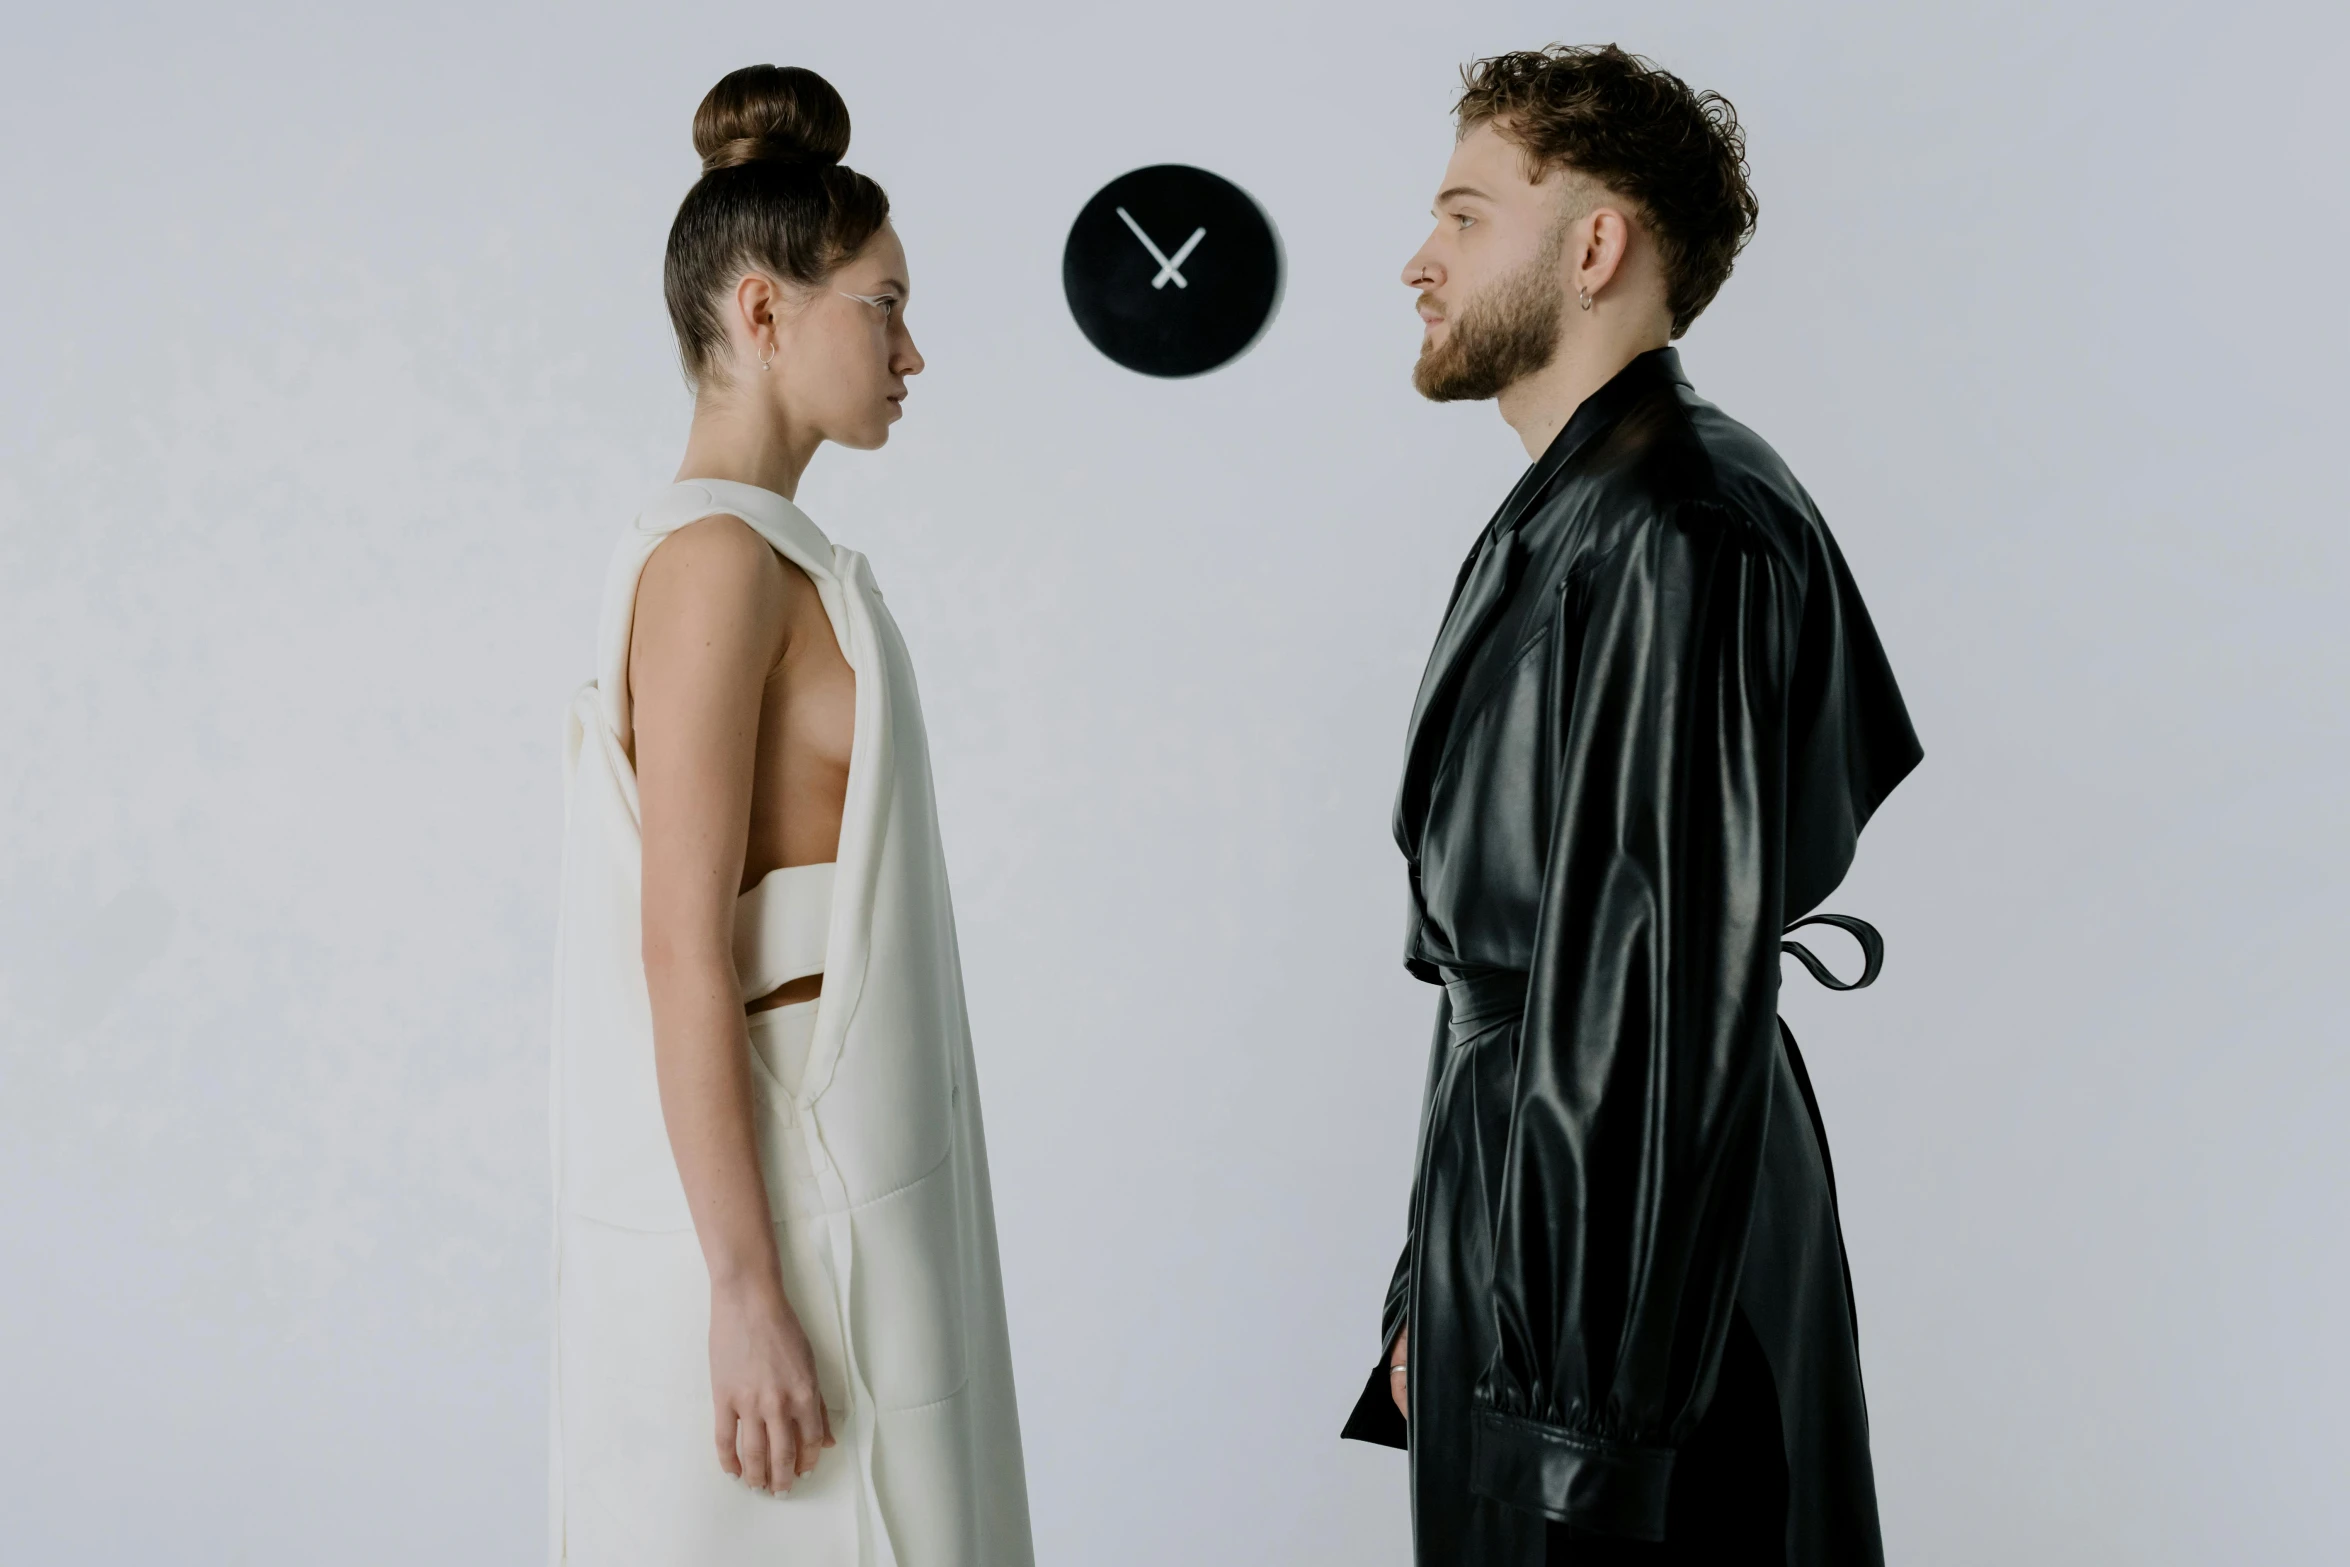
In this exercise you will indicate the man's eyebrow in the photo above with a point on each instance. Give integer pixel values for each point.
(1451, 191)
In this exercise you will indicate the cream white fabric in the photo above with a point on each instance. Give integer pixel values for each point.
(781, 927)
(872, 1148)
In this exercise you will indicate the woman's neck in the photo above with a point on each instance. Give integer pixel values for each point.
(740, 440)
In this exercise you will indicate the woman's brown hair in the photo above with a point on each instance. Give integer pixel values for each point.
(774, 197)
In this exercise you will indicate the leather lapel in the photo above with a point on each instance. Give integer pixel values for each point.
(1489, 577)
(1485, 584)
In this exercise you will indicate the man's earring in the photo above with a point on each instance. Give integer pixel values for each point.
(1583, 297)
(767, 359)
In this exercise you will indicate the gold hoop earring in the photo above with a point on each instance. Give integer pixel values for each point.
(1583, 297)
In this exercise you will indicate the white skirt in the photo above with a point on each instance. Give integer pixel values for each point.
(639, 1428)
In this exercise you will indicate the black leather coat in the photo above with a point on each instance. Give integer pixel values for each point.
(1653, 726)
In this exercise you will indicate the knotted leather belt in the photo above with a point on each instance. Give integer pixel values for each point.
(1872, 950)
(1482, 996)
(1479, 996)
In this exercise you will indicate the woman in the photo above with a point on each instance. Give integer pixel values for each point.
(772, 1216)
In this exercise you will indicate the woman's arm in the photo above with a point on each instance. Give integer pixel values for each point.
(711, 626)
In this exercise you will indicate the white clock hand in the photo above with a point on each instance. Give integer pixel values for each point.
(1167, 265)
(1157, 255)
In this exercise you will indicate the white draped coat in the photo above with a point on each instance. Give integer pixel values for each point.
(875, 1161)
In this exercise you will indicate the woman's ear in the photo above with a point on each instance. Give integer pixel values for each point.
(757, 302)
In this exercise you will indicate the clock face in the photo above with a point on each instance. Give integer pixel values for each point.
(1171, 270)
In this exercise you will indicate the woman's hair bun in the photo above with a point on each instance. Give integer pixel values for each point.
(773, 197)
(771, 114)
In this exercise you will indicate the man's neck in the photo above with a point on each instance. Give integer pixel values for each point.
(1538, 406)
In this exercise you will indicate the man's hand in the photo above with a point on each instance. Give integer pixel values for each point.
(1397, 1377)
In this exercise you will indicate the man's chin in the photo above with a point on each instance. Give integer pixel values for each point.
(1439, 378)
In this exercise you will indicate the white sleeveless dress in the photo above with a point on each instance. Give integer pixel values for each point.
(870, 1143)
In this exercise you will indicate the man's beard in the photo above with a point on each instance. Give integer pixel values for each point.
(1507, 331)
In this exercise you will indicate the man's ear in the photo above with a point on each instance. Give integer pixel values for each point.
(1599, 244)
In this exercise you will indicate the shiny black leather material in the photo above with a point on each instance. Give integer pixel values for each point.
(1653, 726)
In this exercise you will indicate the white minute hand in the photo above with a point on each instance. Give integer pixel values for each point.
(1167, 268)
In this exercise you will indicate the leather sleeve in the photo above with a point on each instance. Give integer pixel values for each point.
(1642, 1086)
(1375, 1417)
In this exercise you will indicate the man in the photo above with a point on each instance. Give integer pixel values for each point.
(1654, 723)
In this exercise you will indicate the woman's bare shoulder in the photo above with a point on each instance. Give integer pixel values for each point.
(721, 548)
(715, 579)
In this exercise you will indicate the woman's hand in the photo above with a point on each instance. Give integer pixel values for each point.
(1397, 1377)
(771, 1416)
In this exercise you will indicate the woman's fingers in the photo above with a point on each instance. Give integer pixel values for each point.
(728, 1460)
(783, 1464)
(751, 1440)
(766, 1454)
(814, 1433)
(769, 1453)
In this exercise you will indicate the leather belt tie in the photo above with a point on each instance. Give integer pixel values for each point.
(1872, 954)
(1872, 950)
(1482, 995)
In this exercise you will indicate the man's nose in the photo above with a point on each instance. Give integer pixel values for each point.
(1422, 272)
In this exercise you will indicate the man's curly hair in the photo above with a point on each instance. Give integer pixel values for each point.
(1678, 156)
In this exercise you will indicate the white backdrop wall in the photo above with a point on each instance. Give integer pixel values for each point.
(332, 358)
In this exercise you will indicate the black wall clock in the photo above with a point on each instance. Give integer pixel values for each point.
(1171, 270)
